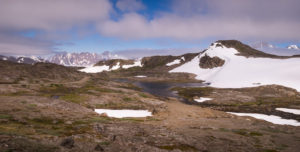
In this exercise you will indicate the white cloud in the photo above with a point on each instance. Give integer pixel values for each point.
(194, 19)
(130, 5)
(51, 14)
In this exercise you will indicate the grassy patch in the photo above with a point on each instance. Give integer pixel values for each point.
(269, 150)
(182, 147)
(5, 116)
(132, 119)
(192, 92)
(127, 99)
(119, 106)
(75, 98)
(245, 132)
(143, 95)
(19, 93)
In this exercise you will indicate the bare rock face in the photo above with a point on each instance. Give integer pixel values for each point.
(208, 62)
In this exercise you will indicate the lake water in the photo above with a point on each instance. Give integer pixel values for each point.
(163, 89)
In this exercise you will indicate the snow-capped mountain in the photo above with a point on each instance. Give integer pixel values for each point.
(231, 64)
(22, 59)
(80, 59)
(293, 47)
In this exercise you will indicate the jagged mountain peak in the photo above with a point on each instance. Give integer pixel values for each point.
(293, 47)
(81, 58)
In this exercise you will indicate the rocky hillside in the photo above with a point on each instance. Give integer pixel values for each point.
(232, 64)
(12, 72)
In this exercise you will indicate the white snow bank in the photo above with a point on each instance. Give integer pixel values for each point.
(202, 99)
(116, 67)
(239, 71)
(177, 61)
(182, 58)
(294, 111)
(270, 118)
(136, 63)
(95, 69)
(124, 113)
(140, 76)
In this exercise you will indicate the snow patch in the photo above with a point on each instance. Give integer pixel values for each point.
(182, 58)
(95, 69)
(270, 118)
(293, 111)
(140, 76)
(137, 63)
(116, 67)
(177, 61)
(124, 113)
(202, 99)
(239, 71)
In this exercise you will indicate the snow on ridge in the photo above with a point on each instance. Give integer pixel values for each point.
(140, 76)
(124, 113)
(239, 71)
(176, 61)
(95, 69)
(293, 111)
(116, 67)
(270, 118)
(98, 69)
(293, 47)
(202, 99)
(137, 63)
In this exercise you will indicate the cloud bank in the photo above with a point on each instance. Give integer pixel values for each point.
(188, 20)
(199, 19)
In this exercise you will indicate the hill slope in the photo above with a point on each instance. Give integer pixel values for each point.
(243, 67)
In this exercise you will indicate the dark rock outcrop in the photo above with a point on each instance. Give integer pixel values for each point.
(208, 62)
(68, 143)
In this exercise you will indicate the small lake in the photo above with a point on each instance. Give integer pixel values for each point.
(163, 89)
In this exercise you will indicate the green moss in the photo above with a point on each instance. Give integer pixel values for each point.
(143, 95)
(255, 133)
(269, 150)
(127, 99)
(5, 116)
(19, 93)
(75, 98)
(245, 132)
(119, 106)
(106, 143)
(132, 119)
(182, 147)
(192, 92)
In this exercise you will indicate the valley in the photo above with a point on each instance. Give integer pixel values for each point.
(49, 107)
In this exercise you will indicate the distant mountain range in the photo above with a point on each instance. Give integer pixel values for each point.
(26, 60)
(272, 49)
(82, 59)
(261, 45)
(85, 59)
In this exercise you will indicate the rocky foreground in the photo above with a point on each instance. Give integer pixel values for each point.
(51, 108)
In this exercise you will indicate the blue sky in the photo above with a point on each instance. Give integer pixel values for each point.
(48, 26)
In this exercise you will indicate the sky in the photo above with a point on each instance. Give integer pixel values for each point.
(42, 27)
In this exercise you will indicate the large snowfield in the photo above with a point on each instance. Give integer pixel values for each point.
(124, 113)
(240, 71)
